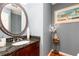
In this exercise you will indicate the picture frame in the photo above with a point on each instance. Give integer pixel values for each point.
(67, 15)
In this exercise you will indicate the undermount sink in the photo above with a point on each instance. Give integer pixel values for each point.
(20, 43)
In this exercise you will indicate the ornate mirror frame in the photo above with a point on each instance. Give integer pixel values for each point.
(2, 26)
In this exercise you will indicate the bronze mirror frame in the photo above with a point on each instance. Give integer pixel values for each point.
(2, 26)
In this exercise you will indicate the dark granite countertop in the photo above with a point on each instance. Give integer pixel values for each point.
(9, 48)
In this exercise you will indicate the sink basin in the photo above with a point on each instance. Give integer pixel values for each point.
(20, 43)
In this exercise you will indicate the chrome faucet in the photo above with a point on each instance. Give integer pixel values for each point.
(17, 39)
(14, 40)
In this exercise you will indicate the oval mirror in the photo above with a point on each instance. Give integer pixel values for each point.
(14, 19)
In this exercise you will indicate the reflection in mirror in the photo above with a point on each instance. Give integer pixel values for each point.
(13, 18)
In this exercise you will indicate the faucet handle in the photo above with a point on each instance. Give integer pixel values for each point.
(13, 40)
(20, 39)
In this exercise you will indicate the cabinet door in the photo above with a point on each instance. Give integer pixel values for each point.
(22, 52)
(35, 52)
(30, 50)
(35, 49)
(18, 52)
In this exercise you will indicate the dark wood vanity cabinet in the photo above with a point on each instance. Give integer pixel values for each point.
(30, 50)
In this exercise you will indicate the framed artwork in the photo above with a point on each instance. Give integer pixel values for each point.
(67, 15)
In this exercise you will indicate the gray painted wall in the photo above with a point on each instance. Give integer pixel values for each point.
(68, 33)
(35, 17)
(47, 20)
